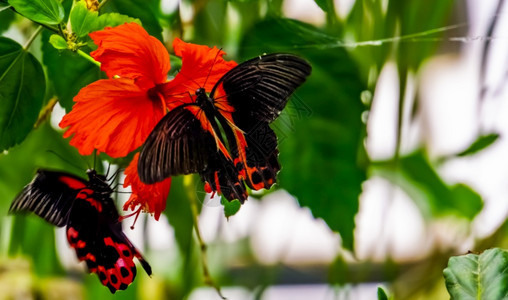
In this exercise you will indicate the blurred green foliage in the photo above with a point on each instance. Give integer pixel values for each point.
(321, 133)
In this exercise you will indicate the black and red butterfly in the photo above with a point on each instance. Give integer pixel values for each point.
(225, 136)
(94, 229)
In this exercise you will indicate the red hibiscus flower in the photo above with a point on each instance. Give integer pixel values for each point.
(149, 197)
(116, 115)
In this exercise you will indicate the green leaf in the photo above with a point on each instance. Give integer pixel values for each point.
(67, 82)
(6, 17)
(320, 132)
(481, 143)
(422, 183)
(58, 42)
(23, 88)
(381, 294)
(84, 21)
(478, 277)
(49, 12)
(230, 207)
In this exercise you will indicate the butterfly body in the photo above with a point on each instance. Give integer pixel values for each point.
(92, 223)
(225, 135)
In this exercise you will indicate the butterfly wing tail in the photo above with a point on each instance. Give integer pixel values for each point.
(146, 266)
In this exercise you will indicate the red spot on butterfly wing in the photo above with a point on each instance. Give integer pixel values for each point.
(73, 183)
(82, 251)
(95, 204)
(84, 193)
(208, 188)
(217, 182)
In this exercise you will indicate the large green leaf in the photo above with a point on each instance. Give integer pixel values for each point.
(478, 277)
(321, 130)
(422, 183)
(22, 93)
(48, 12)
(67, 81)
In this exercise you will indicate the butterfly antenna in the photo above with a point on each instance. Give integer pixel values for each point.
(115, 175)
(213, 64)
(189, 78)
(65, 160)
(107, 171)
(122, 192)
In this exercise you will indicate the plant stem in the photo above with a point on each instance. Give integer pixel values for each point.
(32, 38)
(188, 182)
(88, 57)
(102, 4)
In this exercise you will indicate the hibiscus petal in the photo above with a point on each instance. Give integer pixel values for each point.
(129, 51)
(202, 67)
(111, 115)
(150, 197)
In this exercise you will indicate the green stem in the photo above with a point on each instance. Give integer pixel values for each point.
(102, 4)
(88, 57)
(202, 245)
(400, 114)
(32, 38)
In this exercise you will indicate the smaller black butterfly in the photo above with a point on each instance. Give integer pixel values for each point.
(94, 229)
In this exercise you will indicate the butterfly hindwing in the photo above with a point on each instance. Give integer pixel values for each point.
(222, 176)
(260, 164)
(258, 90)
(50, 195)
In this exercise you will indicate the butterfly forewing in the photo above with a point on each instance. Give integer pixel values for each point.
(177, 145)
(50, 195)
(260, 88)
